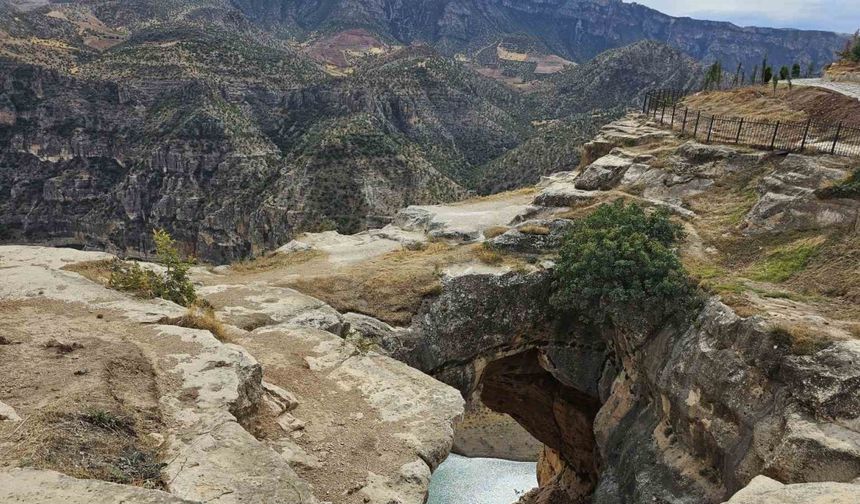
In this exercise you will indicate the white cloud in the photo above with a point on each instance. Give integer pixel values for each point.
(831, 15)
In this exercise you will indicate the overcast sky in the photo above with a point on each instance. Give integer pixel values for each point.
(831, 15)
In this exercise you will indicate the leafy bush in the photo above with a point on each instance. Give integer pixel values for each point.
(618, 265)
(173, 284)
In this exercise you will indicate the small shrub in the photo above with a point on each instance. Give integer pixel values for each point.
(174, 284)
(106, 420)
(534, 229)
(619, 265)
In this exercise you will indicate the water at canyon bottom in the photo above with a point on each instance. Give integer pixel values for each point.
(463, 480)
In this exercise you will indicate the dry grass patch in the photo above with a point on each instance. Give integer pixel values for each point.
(276, 260)
(795, 105)
(800, 339)
(522, 192)
(489, 256)
(200, 316)
(494, 231)
(757, 103)
(390, 287)
(95, 271)
(92, 443)
(534, 229)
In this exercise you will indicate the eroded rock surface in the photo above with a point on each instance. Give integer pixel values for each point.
(225, 435)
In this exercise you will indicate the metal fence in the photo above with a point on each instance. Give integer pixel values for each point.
(664, 106)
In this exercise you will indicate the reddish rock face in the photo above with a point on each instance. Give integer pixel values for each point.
(560, 416)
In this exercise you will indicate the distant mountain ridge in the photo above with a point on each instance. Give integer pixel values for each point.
(574, 29)
(237, 124)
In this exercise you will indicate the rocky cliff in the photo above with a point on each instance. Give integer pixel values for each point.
(681, 413)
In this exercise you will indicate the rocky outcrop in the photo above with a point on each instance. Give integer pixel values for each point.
(648, 414)
(790, 201)
(684, 413)
(227, 436)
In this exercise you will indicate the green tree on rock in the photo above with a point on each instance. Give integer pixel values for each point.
(619, 266)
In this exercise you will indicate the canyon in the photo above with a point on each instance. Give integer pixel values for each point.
(345, 365)
(238, 125)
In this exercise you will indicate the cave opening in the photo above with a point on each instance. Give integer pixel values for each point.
(553, 424)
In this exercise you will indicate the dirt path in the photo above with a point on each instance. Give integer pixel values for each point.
(851, 89)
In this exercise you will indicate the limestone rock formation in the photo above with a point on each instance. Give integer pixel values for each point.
(789, 198)
(226, 435)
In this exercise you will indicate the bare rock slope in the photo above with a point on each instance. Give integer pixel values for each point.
(219, 425)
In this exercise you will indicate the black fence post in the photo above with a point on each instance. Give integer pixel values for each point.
(684, 124)
(773, 140)
(710, 128)
(805, 133)
(740, 127)
(696, 129)
(672, 124)
(663, 112)
(836, 138)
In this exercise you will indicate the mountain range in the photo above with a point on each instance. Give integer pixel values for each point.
(236, 125)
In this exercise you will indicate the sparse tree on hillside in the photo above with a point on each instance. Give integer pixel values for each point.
(714, 76)
(766, 75)
(795, 71)
(852, 49)
(754, 74)
(783, 72)
(737, 80)
(775, 83)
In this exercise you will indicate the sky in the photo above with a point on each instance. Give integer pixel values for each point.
(831, 15)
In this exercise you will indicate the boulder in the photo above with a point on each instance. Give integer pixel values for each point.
(606, 172)
(549, 237)
(788, 199)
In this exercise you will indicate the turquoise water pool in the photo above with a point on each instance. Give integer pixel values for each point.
(462, 480)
